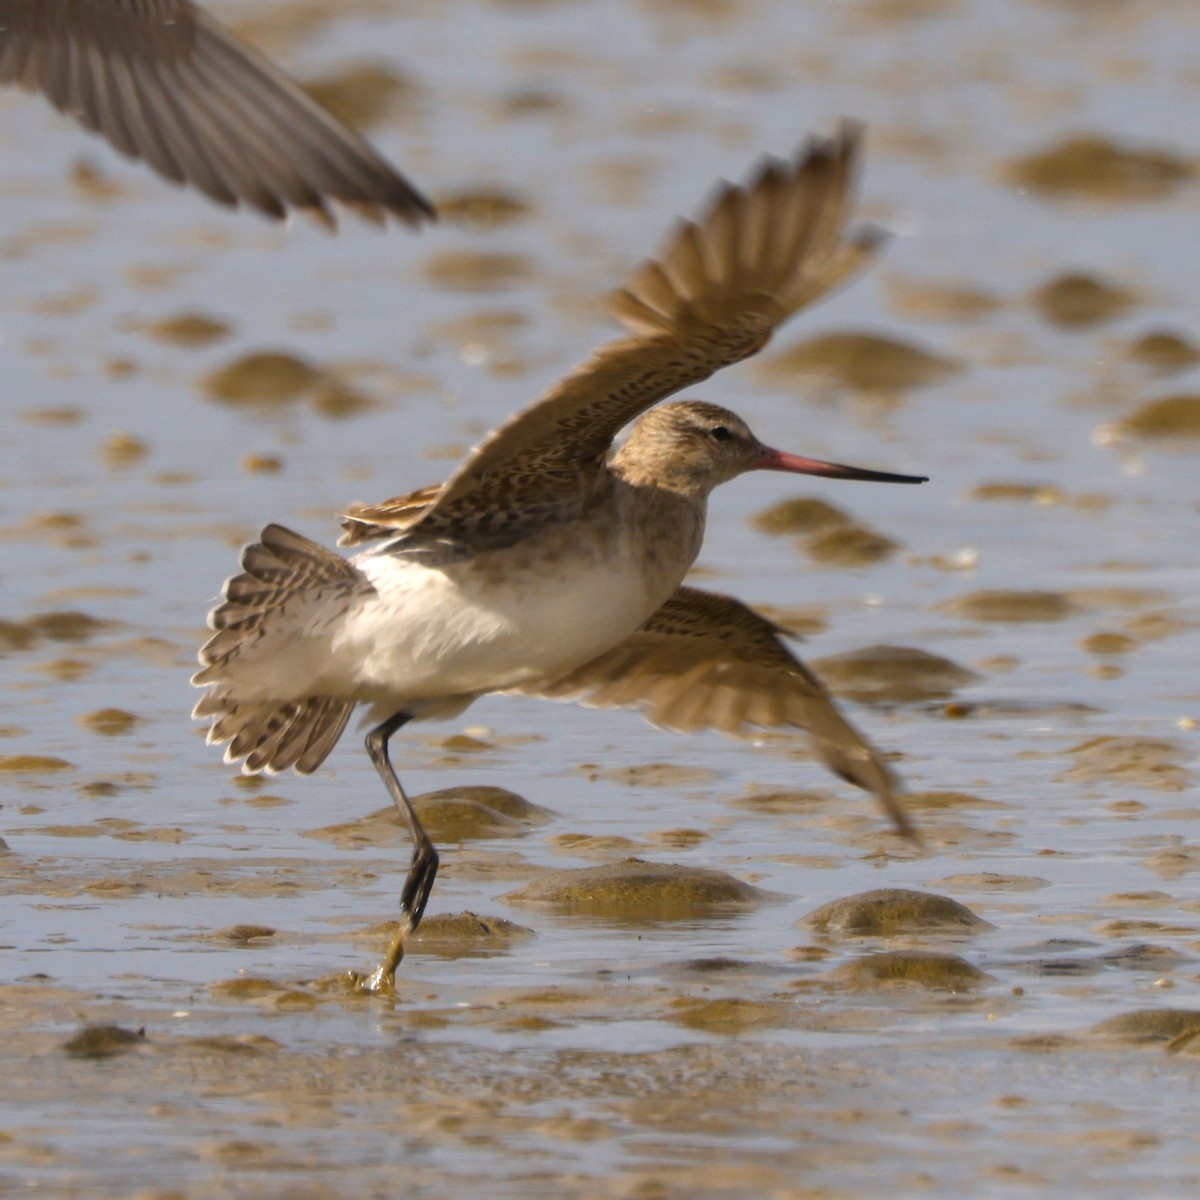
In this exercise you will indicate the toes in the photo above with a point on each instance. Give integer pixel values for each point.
(380, 982)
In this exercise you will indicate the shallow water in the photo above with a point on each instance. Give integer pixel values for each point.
(720, 1055)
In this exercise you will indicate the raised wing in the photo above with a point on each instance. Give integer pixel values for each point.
(705, 661)
(164, 82)
(721, 287)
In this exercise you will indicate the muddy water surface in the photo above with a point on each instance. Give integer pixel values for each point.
(1021, 632)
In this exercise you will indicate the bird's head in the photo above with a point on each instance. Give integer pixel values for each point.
(692, 446)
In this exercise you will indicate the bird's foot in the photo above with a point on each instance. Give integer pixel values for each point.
(382, 980)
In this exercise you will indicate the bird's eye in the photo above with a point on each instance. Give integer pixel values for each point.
(721, 433)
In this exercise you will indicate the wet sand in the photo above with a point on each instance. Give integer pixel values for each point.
(1021, 633)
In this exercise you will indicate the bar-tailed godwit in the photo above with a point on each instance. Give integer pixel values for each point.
(164, 82)
(550, 565)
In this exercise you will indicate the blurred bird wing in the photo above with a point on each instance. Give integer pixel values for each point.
(705, 661)
(759, 253)
(164, 82)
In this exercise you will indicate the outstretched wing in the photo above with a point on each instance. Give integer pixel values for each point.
(723, 284)
(705, 661)
(164, 82)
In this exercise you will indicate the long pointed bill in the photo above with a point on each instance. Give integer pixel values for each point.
(778, 460)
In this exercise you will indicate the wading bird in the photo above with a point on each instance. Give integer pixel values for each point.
(164, 82)
(549, 564)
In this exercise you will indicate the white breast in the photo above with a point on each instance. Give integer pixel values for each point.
(499, 618)
(484, 622)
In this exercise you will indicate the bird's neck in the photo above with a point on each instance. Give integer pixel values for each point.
(669, 524)
(660, 477)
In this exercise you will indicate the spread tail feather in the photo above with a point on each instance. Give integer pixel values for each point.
(280, 566)
(268, 737)
(282, 572)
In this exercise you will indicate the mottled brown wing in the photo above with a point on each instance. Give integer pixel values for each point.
(363, 522)
(164, 82)
(723, 284)
(705, 661)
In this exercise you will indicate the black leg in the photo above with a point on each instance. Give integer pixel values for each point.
(423, 869)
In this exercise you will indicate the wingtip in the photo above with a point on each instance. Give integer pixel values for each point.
(890, 795)
(419, 210)
(902, 822)
(870, 239)
(851, 133)
(412, 211)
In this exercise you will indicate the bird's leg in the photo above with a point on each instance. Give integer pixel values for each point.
(422, 871)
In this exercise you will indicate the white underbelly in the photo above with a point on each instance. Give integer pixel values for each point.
(461, 629)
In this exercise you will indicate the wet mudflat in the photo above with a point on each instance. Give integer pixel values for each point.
(648, 969)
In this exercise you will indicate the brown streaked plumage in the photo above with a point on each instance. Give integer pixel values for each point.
(720, 288)
(163, 81)
(549, 564)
